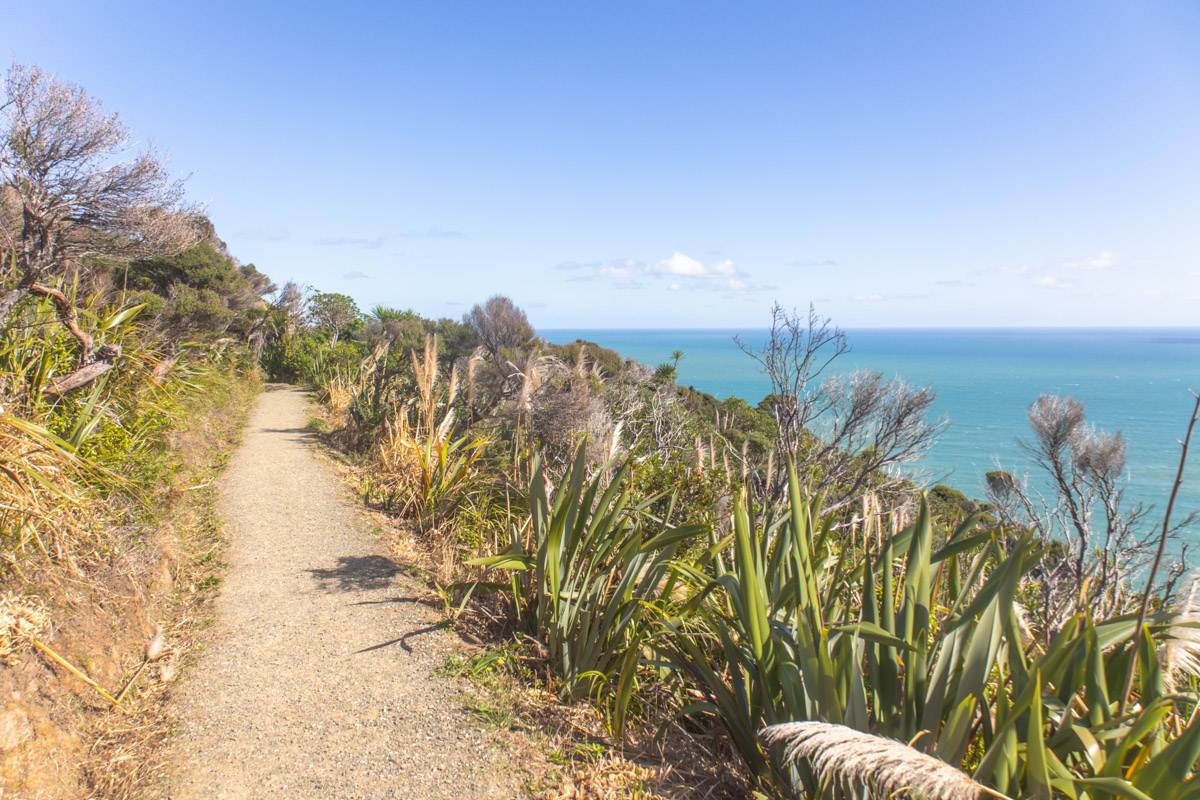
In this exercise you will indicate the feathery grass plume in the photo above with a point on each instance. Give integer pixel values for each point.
(614, 444)
(154, 651)
(1024, 624)
(1180, 650)
(425, 372)
(157, 645)
(472, 373)
(854, 760)
(581, 361)
(533, 373)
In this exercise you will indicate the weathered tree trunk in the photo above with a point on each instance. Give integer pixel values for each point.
(69, 319)
(73, 381)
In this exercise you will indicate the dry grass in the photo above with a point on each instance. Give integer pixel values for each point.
(44, 499)
(567, 754)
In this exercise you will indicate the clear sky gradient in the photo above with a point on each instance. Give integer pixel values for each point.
(677, 164)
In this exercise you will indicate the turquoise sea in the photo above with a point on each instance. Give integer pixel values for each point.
(1136, 381)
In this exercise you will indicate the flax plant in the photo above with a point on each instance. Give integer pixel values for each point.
(588, 568)
(922, 642)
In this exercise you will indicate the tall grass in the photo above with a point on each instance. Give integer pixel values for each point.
(46, 507)
(421, 466)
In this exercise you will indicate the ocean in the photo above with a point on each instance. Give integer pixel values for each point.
(1133, 380)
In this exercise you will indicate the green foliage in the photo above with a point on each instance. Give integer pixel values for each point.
(188, 310)
(922, 642)
(108, 445)
(758, 611)
(204, 290)
(610, 361)
(309, 359)
(333, 313)
(585, 578)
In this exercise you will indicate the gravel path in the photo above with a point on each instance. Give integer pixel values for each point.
(321, 680)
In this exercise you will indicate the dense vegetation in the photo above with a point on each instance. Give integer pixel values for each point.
(117, 302)
(675, 554)
(126, 353)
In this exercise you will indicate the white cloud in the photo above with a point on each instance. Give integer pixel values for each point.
(620, 270)
(722, 274)
(685, 266)
(872, 297)
(1102, 260)
(1051, 282)
(679, 269)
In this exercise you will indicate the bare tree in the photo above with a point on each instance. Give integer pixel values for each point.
(567, 410)
(69, 197)
(1104, 540)
(842, 431)
(499, 324)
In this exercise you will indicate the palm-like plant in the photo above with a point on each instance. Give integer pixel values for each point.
(921, 642)
(589, 567)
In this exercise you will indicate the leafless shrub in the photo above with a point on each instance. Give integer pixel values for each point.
(1077, 498)
(663, 426)
(842, 431)
(567, 411)
(499, 324)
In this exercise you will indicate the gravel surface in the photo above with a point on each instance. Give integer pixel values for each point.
(321, 680)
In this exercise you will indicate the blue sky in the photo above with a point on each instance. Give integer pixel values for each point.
(677, 164)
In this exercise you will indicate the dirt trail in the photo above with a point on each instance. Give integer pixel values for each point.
(321, 680)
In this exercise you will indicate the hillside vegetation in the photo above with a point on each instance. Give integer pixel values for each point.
(126, 363)
(763, 572)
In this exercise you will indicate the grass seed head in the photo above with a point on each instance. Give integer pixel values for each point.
(854, 760)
